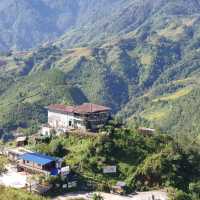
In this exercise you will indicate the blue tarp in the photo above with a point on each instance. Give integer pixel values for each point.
(38, 158)
(54, 172)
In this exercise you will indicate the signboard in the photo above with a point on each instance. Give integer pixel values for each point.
(64, 171)
(59, 163)
(109, 169)
(72, 184)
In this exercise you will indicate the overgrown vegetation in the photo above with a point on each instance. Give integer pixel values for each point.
(144, 65)
(144, 163)
(3, 162)
(13, 194)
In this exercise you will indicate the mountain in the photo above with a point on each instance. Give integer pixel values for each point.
(141, 58)
(27, 24)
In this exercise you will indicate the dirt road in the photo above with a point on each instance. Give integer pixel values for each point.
(158, 195)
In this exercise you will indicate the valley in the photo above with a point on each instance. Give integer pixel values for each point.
(139, 58)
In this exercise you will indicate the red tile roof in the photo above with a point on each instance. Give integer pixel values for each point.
(90, 108)
(82, 109)
(61, 108)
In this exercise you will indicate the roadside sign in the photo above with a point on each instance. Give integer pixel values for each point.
(72, 184)
(109, 169)
(64, 171)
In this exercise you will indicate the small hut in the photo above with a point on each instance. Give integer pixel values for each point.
(146, 131)
(21, 141)
(119, 188)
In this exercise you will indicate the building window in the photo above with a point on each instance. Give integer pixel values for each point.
(70, 123)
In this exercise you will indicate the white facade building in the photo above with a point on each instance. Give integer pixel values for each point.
(64, 121)
(46, 131)
(83, 117)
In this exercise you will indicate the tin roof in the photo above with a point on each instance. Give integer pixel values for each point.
(18, 151)
(21, 139)
(146, 129)
(38, 158)
(121, 184)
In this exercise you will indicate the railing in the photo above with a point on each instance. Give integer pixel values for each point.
(33, 169)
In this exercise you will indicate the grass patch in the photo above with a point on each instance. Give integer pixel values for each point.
(76, 146)
(156, 115)
(175, 30)
(174, 96)
(172, 33)
(11, 194)
(146, 59)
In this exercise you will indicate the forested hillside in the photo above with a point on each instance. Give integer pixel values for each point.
(141, 58)
(144, 162)
(27, 24)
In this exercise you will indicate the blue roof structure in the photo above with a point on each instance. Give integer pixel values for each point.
(38, 158)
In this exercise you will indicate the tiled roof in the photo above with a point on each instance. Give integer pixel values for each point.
(84, 108)
(61, 108)
(90, 108)
(21, 139)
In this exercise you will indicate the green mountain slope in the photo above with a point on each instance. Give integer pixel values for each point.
(145, 71)
(27, 24)
(23, 103)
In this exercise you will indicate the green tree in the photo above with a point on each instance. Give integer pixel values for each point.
(97, 197)
(194, 189)
(179, 195)
(3, 162)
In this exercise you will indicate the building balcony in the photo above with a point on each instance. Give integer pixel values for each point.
(29, 168)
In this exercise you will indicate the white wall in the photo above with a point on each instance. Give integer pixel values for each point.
(46, 131)
(59, 120)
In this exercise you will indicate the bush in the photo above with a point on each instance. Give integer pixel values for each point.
(97, 197)
(3, 162)
(175, 194)
(13, 194)
(194, 189)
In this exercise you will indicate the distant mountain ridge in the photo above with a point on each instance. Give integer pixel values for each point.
(26, 24)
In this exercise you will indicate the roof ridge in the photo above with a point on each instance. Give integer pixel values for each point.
(86, 107)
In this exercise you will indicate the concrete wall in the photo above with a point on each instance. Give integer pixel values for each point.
(63, 121)
(46, 131)
(69, 121)
(60, 120)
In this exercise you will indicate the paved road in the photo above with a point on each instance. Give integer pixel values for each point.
(158, 195)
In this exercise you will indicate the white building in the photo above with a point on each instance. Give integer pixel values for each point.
(46, 131)
(84, 117)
